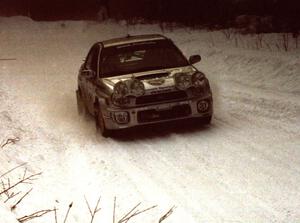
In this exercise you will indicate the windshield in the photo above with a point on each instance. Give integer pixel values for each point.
(139, 57)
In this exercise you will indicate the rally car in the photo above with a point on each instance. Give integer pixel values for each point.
(140, 80)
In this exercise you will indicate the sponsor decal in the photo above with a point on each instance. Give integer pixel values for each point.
(156, 82)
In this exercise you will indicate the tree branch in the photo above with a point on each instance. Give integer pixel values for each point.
(96, 209)
(165, 216)
(19, 201)
(34, 215)
(10, 141)
(70, 206)
(126, 219)
(24, 180)
(23, 164)
(128, 213)
(114, 211)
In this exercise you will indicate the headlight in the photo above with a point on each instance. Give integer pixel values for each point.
(137, 87)
(120, 93)
(200, 84)
(198, 80)
(183, 81)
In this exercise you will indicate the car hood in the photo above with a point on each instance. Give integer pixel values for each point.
(153, 80)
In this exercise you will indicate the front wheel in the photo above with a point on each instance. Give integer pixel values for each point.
(206, 120)
(80, 104)
(100, 124)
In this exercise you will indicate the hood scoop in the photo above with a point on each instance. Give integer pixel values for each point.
(152, 76)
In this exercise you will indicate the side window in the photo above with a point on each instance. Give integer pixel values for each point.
(92, 59)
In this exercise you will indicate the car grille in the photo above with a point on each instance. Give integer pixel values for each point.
(156, 98)
(153, 115)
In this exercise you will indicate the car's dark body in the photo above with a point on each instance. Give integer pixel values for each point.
(127, 92)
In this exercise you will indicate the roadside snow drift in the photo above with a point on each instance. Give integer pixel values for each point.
(243, 168)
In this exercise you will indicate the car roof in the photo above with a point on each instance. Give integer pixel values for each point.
(132, 39)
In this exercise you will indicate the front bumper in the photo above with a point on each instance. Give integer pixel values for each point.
(158, 113)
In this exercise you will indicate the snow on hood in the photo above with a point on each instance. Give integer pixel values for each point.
(167, 80)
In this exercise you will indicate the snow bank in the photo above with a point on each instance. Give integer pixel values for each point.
(262, 70)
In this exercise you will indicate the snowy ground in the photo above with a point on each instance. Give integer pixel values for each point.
(245, 167)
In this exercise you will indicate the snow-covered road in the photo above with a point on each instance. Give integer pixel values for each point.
(245, 167)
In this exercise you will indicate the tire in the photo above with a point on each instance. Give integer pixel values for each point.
(206, 120)
(80, 103)
(100, 124)
(81, 107)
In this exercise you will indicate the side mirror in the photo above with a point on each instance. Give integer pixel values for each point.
(88, 73)
(195, 59)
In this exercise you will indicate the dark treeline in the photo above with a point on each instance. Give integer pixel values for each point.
(220, 13)
(210, 13)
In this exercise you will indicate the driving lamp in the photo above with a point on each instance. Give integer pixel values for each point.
(121, 117)
(137, 87)
(183, 81)
(202, 106)
(120, 93)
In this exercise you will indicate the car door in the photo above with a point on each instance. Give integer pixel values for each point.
(90, 77)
